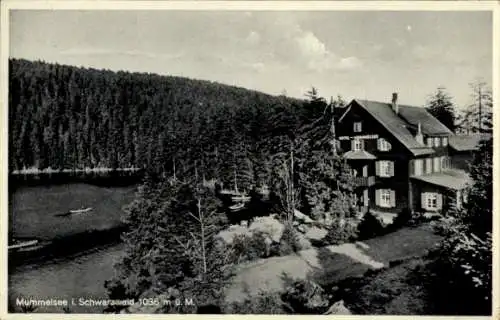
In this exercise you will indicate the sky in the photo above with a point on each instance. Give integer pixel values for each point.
(357, 54)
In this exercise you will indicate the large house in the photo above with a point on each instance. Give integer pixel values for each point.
(403, 157)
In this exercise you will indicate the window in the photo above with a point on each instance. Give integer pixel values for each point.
(354, 172)
(429, 142)
(357, 145)
(357, 126)
(385, 169)
(445, 141)
(444, 163)
(385, 198)
(419, 167)
(383, 145)
(432, 201)
(428, 165)
(437, 164)
(437, 142)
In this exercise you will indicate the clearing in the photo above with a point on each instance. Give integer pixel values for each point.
(331, 264)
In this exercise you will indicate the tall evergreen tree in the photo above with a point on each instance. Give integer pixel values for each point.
(440, 105)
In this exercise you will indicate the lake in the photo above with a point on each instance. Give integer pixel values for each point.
(76, 277)
(33, 212)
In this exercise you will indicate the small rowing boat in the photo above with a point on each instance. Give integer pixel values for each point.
(78, 211)
(237, 207)
(73, 212)
(17, 245)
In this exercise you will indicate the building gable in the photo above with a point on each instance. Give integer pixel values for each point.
(393, 123)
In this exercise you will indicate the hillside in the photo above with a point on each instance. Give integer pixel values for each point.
(70, 117)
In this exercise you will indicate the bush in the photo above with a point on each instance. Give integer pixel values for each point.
(290, 241)
(370, 227)
(263, 303)
(463, 269)
(305, 297)
(339, 235)
(402, 219)
(249, 248)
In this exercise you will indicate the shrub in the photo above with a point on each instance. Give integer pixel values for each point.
(370, 226)
(248, 248)
(338, 235)
(263, 303)
(463, 269)
(402, 219)
(305, 297)
(290, 241)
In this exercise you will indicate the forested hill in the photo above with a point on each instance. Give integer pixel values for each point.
(69, 117)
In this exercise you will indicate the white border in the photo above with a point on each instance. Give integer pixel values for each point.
(7, 5)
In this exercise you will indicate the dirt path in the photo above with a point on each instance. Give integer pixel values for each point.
(332, 263)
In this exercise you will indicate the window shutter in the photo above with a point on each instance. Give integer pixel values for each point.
(393, 198)
(391, 168)
(458, 199)
(439, 201)
(412, 167)
(377, 197)
(423, 200)
(377, 169)
(379, 143)
(352, 145)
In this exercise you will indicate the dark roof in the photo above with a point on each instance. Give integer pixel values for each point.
(467, 142)
(396, 125)
(452, 179)
(430, 125)
(359, 155)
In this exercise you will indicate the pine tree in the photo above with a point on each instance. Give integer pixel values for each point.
(440, 105)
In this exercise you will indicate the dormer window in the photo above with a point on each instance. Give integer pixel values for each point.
(383, 145)
(357, 127)
(445, 141)
(437, 141)
(429, 142)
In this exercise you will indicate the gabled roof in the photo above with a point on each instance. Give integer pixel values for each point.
(430, 125)
(359, 155)
(396, 125)
(467, 142)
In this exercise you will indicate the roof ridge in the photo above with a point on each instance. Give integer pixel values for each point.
(388, 103)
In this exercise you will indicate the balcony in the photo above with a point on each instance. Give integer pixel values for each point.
(364, 181)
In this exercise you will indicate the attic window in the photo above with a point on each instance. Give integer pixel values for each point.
(429, 142)
(357, 127)
(445, 141)
(437, 142)
(383, 145)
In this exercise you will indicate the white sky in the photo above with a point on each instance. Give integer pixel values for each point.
(357, 54)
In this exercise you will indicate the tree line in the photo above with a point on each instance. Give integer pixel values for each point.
(476, 117)
(64, 117)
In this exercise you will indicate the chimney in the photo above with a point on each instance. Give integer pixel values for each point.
(419, 136)
(394, 101)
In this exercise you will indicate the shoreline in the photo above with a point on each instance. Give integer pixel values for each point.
(63, 248)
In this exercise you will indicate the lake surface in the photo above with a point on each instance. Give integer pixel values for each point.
(33, 210)
(72, 278)
(77, 276)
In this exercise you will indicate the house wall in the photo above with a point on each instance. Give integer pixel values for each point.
(398, 154)
(418, 187)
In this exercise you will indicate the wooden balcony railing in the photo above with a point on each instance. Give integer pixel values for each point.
(364, 181)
